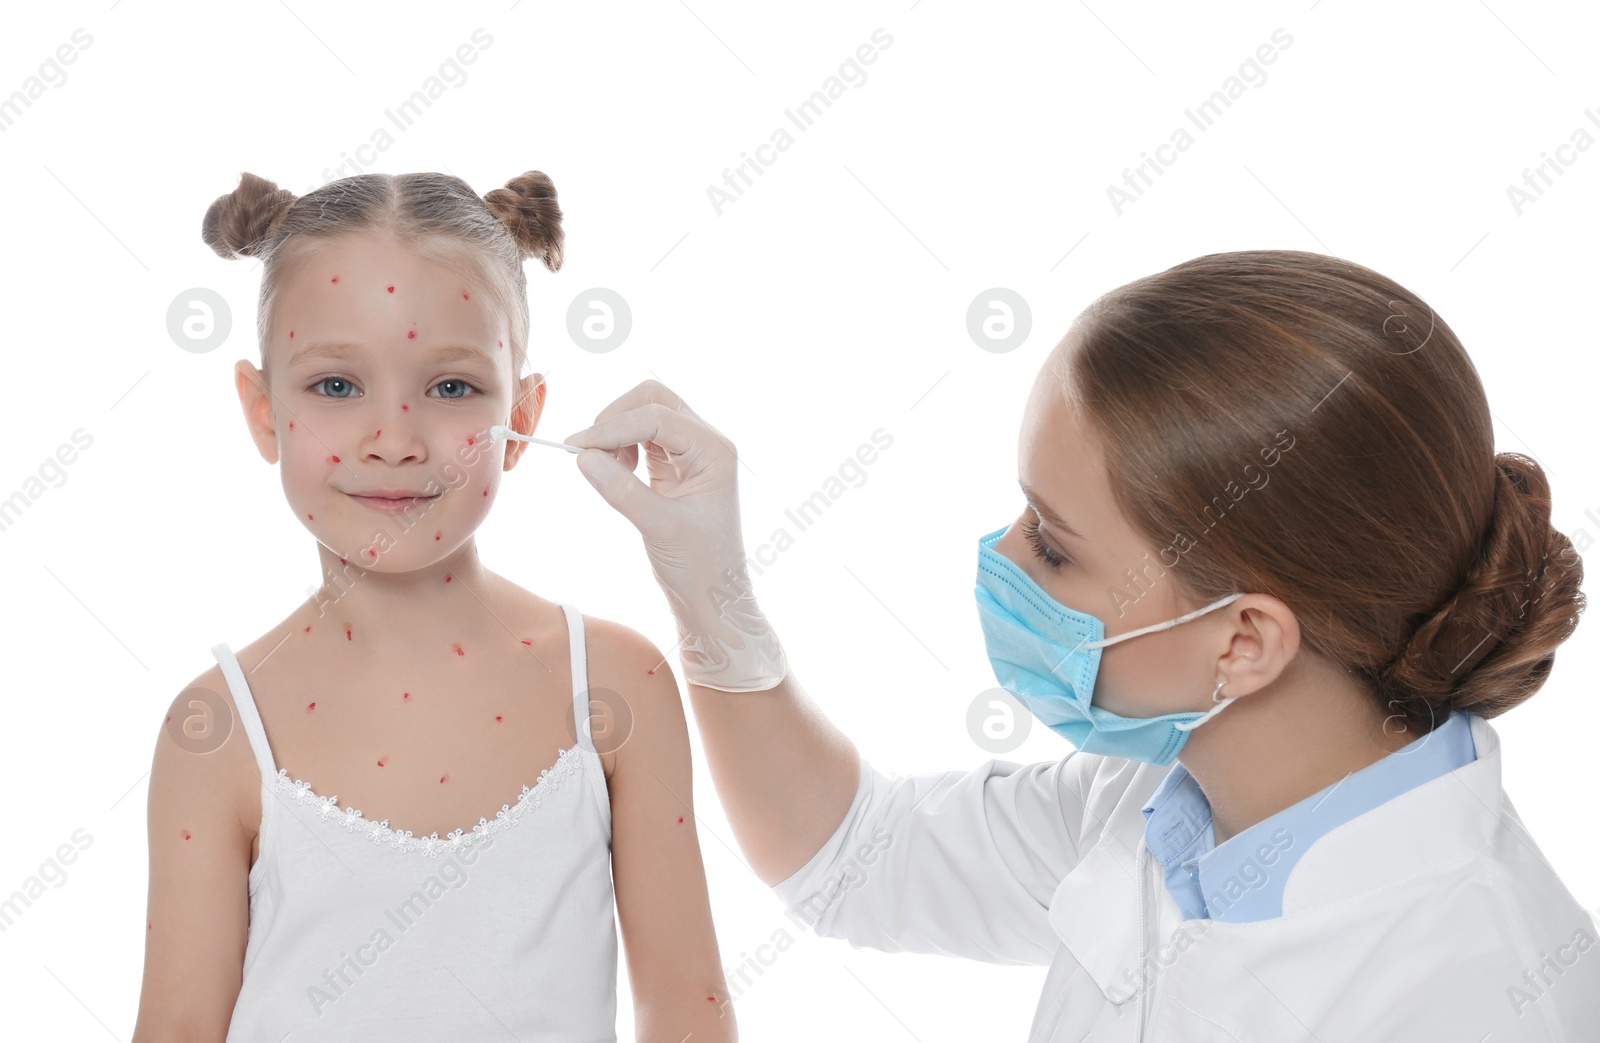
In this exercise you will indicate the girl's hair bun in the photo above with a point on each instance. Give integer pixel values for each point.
(240, 223)
(527, 207)
(1493, 643)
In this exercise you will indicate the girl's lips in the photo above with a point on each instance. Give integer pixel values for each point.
(392, 506)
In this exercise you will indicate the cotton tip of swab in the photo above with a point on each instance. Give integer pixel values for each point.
(499, 432)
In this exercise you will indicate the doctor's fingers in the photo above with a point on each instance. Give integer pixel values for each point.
(655, 423)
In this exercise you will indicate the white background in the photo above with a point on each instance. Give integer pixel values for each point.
(826, 302)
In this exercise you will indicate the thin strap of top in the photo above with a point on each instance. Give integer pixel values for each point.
(580, 677)
(248, 715)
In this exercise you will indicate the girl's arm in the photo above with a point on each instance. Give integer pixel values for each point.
(663, 908)
(199, 909)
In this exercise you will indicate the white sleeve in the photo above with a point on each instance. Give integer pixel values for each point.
(957, 863)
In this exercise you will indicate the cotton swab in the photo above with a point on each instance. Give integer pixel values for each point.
(499, 432)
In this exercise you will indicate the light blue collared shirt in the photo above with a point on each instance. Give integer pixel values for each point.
(1242, 879)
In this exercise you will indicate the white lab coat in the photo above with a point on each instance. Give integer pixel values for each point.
(1433, 917)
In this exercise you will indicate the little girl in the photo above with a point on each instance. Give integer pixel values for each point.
(465, 888)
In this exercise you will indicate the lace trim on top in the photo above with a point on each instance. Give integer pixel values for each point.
(432, 845)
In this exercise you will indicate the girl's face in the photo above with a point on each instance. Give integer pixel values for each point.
(1063, 478)
(385, 372)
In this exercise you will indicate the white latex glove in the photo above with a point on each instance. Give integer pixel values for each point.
(689, 518)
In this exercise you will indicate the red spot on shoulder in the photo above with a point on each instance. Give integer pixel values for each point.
(458, 650)
(499, 343)
(343, 562)
(169, 717)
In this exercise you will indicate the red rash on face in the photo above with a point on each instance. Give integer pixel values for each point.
(447, 577)
(335, 278)
(498, 717)
(391, 289)
(311, 707)
(379, 434)
(458, 650)
(464, 296)
(291, 334)
(446, 775)
(186, 834)
(371, 553)
(404, 407)
(652, 673)
(526, 641)
(333, 459)
(469, 439)
(380, 762)
(438, 534)
(680, 819)
(308, 630)
(486, 492)
(291, 425)
(405, 695)
(347, 632)
(310, 518)
(412, 335)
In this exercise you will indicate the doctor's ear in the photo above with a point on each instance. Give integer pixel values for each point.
(1263, 639)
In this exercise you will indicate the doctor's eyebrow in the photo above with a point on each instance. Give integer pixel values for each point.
(1046, 513)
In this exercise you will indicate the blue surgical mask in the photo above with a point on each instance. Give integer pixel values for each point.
(1047, 655)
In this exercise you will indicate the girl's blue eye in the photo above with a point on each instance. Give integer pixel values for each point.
(1043, 551)
(452, 380)
(332, 380)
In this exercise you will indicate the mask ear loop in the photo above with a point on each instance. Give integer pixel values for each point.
(1220, 704)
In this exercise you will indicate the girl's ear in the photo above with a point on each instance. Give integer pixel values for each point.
(525, 411)
(256, 401)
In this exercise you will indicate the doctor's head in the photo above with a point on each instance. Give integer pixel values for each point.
(393, 328)
(1305, 430)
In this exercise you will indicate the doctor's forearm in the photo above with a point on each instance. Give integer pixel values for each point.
(784, 773)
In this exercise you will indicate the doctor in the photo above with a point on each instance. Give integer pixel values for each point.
(1270, 579)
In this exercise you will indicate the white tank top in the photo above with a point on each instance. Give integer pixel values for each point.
(505, 931)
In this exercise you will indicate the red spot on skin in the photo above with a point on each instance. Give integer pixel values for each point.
(526, 641)
(446, 775)
(335, 278)
(391, 289)
(438, 534)
(680, 818)
(711, 999)
(379, 434)
(405, 695)
(458, 649)
(380, 762)
(169, 718)
(464, 296)
(447, 577)
(498, 717)
(186, 834)
(412, 335)
(343, 562)
(308, 630)
(652, 673)
(404, 407)
(333, 459)
(291, 425)
(469, 439)
(313, 706)
(371, 553)
(311, 517)
(291, 334)
(347, 632)
(499, 343)
(486, 492)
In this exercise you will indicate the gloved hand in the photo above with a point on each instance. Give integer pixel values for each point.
(689, 518)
